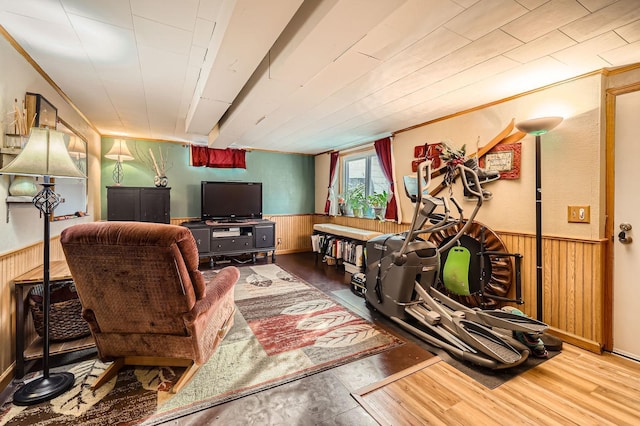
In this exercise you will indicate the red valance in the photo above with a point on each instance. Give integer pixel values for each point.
(202, 156)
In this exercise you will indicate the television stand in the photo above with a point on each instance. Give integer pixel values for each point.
(228, 239)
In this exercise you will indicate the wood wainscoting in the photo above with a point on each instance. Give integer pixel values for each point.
(13, 264)
(573, 285)
(573, 278)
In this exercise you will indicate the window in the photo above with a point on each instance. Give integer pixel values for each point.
(363, 170)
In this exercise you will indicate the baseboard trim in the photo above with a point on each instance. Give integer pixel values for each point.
(578, 341)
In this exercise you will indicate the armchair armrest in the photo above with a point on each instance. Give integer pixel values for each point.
(217, 288)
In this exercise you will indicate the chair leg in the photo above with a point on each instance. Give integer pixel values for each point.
(186, 376)
(108, 374)
(224, 330)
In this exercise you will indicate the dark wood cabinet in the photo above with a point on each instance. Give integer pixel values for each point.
(233, 239)
(139, 204)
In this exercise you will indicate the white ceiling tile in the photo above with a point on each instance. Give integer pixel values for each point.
(109, 46)
(542, 46)
(437, 45)
(624, 55)
(630, 32)
(593, 5)
(40, 34)
(586, 53)
(161, 36)
(50, 11)
(484, 17)
(333, 32)
(487, 47)
(409, 23)
(532, 4)
(115, 12)
(465, 3)
(181, 14)
(609, 18)
(347, 68)
(547, 17)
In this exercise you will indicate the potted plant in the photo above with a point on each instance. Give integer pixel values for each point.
(356, 199)
(378, 201)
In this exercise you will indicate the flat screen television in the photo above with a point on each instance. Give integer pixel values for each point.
(231, 201)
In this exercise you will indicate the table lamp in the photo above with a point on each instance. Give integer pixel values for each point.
(119, 152)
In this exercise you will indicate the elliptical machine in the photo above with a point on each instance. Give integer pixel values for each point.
(403, 268)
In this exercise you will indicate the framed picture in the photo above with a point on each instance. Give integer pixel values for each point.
(504, 158)
(40, 112)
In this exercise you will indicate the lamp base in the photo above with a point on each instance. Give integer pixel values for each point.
(43, 389)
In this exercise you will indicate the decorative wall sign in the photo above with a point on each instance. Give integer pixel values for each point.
(426, 152)
(40, 112)
(504, 158)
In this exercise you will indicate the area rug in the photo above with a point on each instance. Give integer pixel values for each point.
(284, 330)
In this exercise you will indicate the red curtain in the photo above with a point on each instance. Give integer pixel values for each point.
(332, 175)
(218, 158)
(198, 155)
(383, 150)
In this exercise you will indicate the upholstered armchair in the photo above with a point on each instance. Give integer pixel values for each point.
(144, 298)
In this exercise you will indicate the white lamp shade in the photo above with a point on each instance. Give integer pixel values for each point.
(539, 126)
(44, 154)
(119, 151)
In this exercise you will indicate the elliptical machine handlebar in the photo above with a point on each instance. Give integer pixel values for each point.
(477, 193)
(424, 179)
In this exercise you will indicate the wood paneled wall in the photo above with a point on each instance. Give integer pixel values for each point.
(573, 277)
(573, 285)
(12, 265)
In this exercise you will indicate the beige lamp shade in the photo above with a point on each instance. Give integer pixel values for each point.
(119, 151)
(44, 154)
(76, 147)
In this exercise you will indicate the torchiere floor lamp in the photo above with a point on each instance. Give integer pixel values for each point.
(538, 127)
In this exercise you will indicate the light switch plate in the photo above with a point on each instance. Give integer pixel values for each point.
(579, 214)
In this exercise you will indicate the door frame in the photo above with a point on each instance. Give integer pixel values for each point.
(609, 228)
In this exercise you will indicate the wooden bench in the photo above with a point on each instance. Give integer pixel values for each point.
(346, 231)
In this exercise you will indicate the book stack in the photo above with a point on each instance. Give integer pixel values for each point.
(350, 252)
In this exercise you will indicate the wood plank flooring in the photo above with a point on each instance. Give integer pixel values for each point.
(574, 387)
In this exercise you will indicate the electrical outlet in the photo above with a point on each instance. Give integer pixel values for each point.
(579, 214)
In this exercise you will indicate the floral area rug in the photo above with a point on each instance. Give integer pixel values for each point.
(284, 329)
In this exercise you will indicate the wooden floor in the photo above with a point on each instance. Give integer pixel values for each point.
(574, 387)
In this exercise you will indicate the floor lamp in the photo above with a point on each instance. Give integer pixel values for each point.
(538, 127)
(45, 155)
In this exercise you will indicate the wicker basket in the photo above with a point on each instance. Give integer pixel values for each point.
(65, 313)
